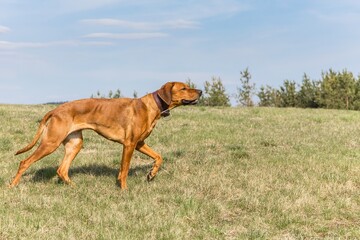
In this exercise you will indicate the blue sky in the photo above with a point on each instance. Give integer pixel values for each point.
(64, 50)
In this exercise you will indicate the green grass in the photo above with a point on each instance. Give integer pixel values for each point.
(228, 173)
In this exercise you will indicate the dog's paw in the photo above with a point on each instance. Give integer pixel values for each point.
(150, 177)
(13, 184)
(71, 184)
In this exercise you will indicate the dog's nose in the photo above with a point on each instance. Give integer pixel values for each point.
(200, 92)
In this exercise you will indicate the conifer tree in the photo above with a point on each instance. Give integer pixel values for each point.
(288, 94)
(268, 97)
(246, 90)
(215, 93)
(308, 93)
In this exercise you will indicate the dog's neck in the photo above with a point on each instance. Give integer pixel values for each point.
(162, 105)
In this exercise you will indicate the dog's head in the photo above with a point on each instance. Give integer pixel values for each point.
(177, 93)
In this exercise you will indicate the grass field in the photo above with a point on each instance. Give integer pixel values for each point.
(228, 173)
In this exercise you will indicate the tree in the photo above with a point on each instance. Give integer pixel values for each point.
(247, 89)
(215, 94)
(347, 84)
(117, 94)
(110, 94)
(135, 94)
(308, 95)
(97, 95)
(288, 94)
(268, 97)
(329, 96)
(338, 89)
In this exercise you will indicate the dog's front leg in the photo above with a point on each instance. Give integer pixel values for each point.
(125, 164)
(145, 149)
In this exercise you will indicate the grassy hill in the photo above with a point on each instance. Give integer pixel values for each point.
(228, 173)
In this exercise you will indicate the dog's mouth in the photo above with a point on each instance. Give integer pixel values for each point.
(189, 102)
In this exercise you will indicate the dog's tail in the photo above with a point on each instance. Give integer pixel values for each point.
(37, 135)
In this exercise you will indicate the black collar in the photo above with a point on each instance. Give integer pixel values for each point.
(162, 105)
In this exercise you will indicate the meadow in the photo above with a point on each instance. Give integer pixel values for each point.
(228, 173)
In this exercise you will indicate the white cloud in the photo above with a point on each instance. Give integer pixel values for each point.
(145, 35)
(180, 23)
(173, 24)
(4, 29)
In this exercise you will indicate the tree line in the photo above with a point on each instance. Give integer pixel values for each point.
(335, 89)
(111, 94)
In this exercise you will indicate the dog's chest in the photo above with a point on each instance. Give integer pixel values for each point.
(149, 130)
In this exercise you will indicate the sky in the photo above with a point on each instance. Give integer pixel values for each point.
(62, 50)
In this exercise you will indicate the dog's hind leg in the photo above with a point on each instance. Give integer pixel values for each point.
(73, 144)
(43, 150)
(52, 138)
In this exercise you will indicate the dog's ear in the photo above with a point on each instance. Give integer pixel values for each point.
(165, 92)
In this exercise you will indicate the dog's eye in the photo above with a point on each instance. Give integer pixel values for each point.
(183, 88)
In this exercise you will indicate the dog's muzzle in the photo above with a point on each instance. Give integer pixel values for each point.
(194, 101)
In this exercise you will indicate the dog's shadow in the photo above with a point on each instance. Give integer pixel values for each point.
(47, 173)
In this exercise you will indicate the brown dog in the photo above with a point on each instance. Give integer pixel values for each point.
(124, 120)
